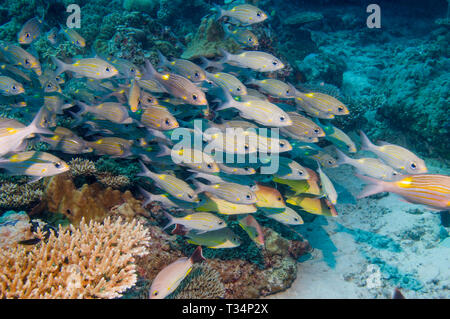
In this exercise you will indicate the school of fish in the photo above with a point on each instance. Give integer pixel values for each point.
(138, 112)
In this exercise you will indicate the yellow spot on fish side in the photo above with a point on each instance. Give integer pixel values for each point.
(166, 77)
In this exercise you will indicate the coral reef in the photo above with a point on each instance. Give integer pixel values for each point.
(91, 201)
(20, 195)
(92, 261)
(14, 227)
(208, 41)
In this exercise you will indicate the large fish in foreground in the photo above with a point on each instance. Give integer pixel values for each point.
(32, 163)
(243, 14)
(93, 68)
(432, 190)
(168, 279)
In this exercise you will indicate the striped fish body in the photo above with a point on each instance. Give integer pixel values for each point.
(342, 140)
(55, 103)
(38, 164)
(232, 192)
(133, 96)
(74, 37)
(147, 100)
(233, 124)
(172, 185)
(295, 170)
(195, 159)
(327, 187)
(275, 88)
(267, 144)
(431, 190)
(253, 229)
(262, 112)
(66, 141)
(245, 14)
(187, 69)
(236, 170)
(9, 86)
(302, 126)
(112, 146)
(111, 111)
(30, 31)
(93, 68)
(310, 109)
(201, 221)
(16, 71)
(127, 69)
(18, 56)
(255, 60)
(325, 159)
(287, 217)
(243, 36)
(151, 86)
(228, 82)
(324, 103)
(158, 118)
(222, 238)
(221, 206)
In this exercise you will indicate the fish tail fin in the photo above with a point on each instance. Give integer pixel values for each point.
(171, 219)
(83, 108)
(342, 158)
(149, 197)
(145, 172)
(226, 55)
(366, 144)
(228, 101)
(165, 150)
(35, 126)
(60, 65)
(180, 230)
(376, 186)
(162, 59)
(200, 187)
(197, 256)
(251, 80)
(205, 62)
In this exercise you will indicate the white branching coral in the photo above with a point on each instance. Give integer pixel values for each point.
(95, 260)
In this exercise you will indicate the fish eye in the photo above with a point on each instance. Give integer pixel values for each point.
(149, 100)
(49, 85)
(107, 69)
(279, 198)
(300, 173)
(238, 89)
(155, 293)
(394, 173)
(194, 97)
(196, 74)
(132, 70)
(167, 122)
(274, 62)
(282, 144)
(248, 196)
(330, 162)
(27, 61)
(221, 223)
(14, 87)
(340, 109)
(209, 166)
(27, 35)
(250, 39)
(246, 169)
(296, 219)
(413, 165)
(258, 14)
(190, 196)
(316, 130)
(57, 164)
(282, 118)
(288, 92)
(246, 146)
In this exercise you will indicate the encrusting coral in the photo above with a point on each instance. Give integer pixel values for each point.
(95, 260)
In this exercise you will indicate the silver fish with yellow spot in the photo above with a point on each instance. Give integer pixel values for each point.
(218, 239)
(151, 86)
(14, 71)
(287, 217)
(295, 171)
(32, 163)
(236, 170)
(73, 37)
(221, 206)
(55, 103)
(242, 36)
(18, 56)
(228, 82)
(244, 14)
(147, 100)
(183, 67)
(177, 85)
(112, 146)
(395, 156)
(372, 167)
(327, 186)
(201, 222)
(274, 87)
(323, 102)
(126, 68)
(159, 118)
(111, 111)
(262, 112)
(168, 279)
(306, 106)
(93, 68)
(67, 142)
(11, 138)
(232, 192)
(255, 60)
(30, 31)
(133, 96)
(171, 184)
(302, 127)
(9, 86)
(192, 158)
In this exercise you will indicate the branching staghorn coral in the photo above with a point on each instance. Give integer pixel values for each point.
(19, 196)
(95, 260)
